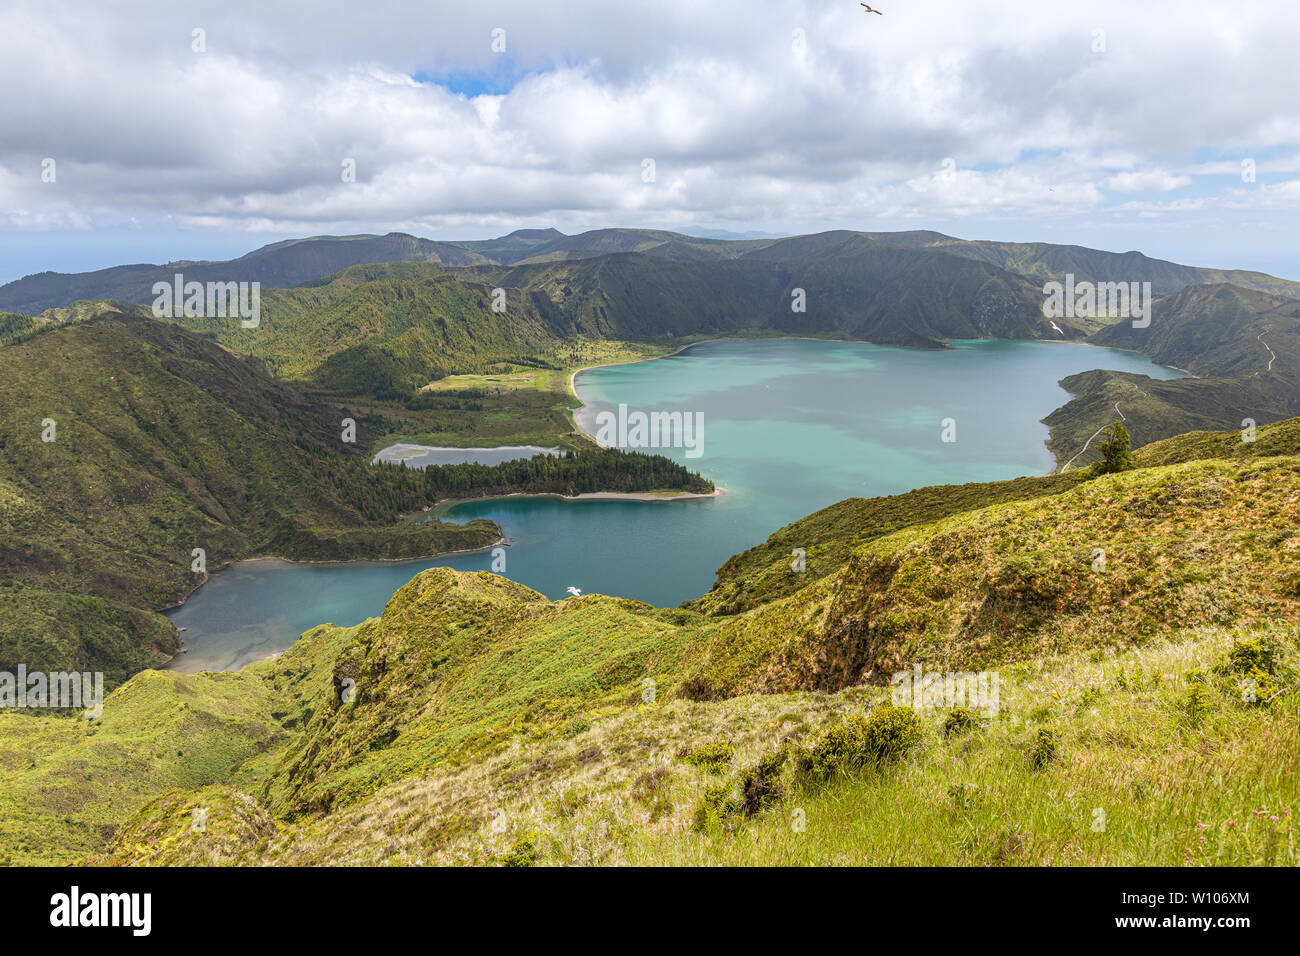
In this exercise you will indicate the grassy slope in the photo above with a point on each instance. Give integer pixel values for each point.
(65, 783)
(507, 404)
(477, 695)
(1138, 780)
(55, 630)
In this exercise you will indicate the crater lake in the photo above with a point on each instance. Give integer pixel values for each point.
(789, 426)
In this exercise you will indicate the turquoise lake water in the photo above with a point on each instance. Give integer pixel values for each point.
(790, 426)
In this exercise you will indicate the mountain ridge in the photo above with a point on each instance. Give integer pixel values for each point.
(291, 262)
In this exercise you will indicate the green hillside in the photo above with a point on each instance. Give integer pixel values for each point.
(828, 537)
(163, 443)
(491, 725)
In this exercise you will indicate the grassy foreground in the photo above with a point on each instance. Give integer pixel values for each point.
(1157, 762)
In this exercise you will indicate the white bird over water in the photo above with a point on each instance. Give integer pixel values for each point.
(1057, 327)
(574, 591)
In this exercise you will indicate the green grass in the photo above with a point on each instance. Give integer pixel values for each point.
(615, 789)
(1133, 782)
(67, 783)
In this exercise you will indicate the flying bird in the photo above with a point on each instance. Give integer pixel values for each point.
(870, 9)
(574, 591)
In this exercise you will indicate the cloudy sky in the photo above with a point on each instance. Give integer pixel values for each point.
(202, 130)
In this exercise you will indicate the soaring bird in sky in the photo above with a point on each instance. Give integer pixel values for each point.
(574, 591)
(869, 9)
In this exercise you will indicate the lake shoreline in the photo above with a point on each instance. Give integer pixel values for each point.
(307, 561)
(409, 450)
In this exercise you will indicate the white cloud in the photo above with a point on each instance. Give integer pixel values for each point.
(746, 131)
(1146, 181)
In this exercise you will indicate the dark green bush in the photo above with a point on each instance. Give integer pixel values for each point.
(524, 852)
(712, 758)
(1045, 748)
(760, 785)
(1116, 455)
(886, 734)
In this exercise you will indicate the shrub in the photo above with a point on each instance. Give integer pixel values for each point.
(1196, 703)
(524, 852)
(712, 758)
(760, 785)
(1254, 662)
(715, 809)
(1045, 748)
(1257, 687)
(1253, 654)
(888, 733)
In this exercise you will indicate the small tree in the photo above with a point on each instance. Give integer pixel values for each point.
(1114, 448)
